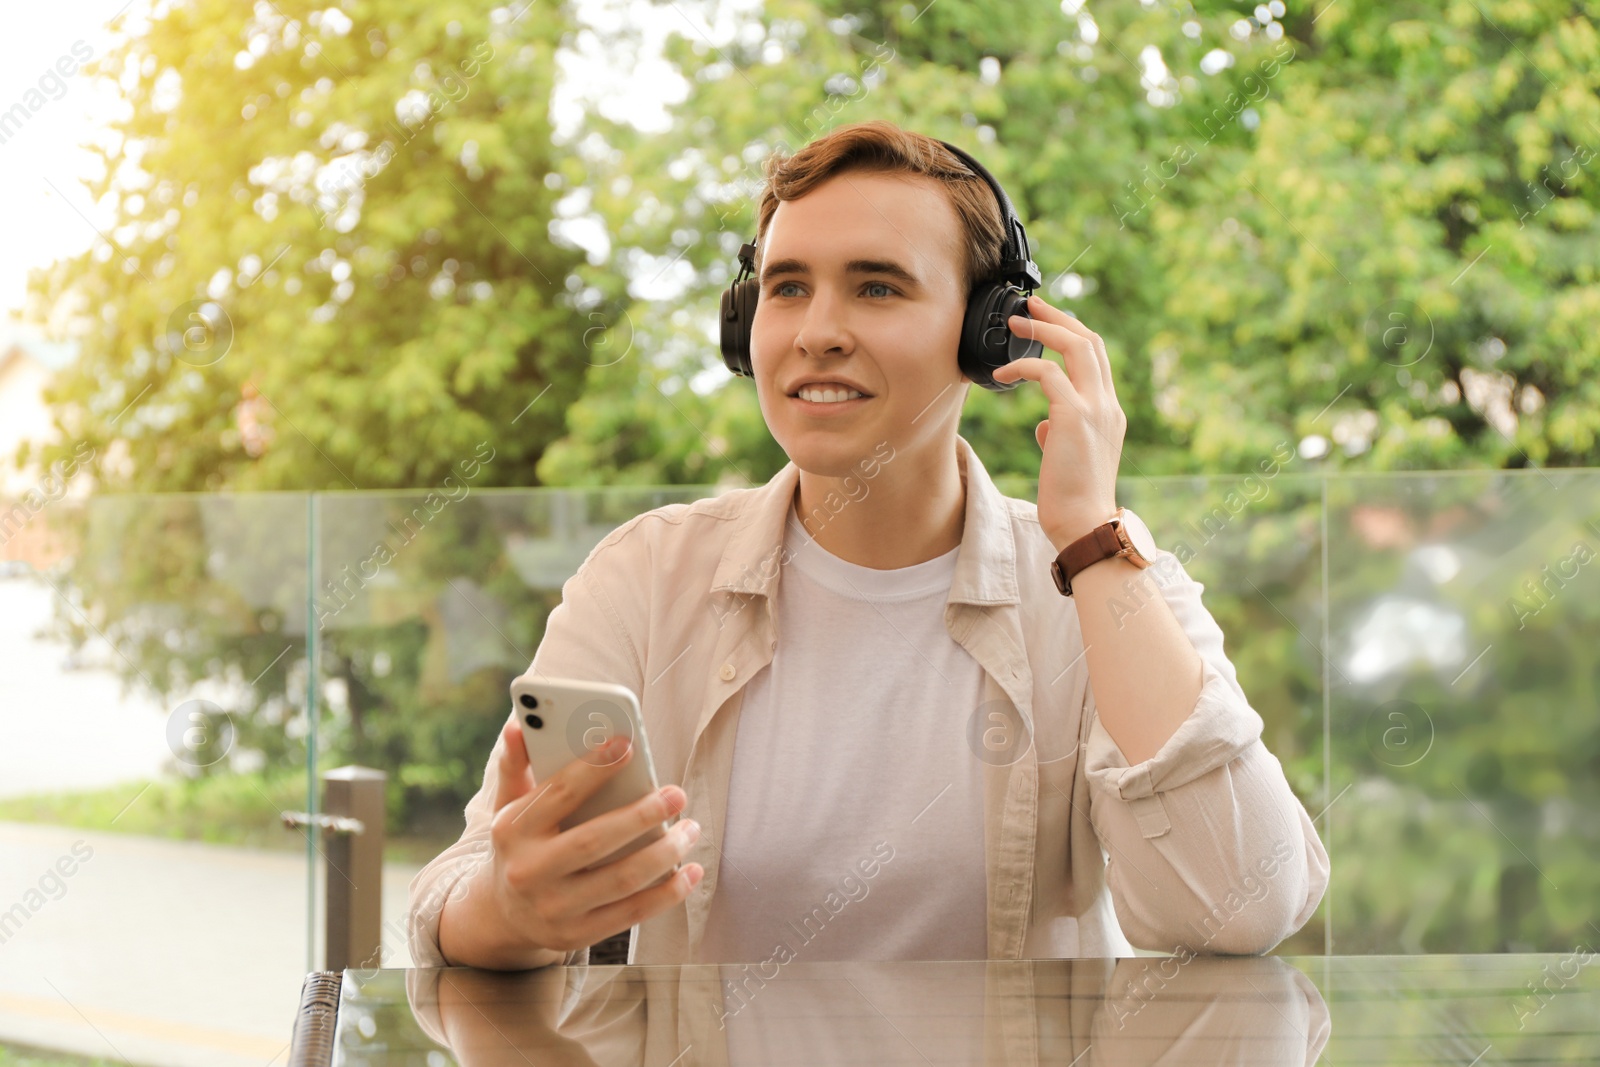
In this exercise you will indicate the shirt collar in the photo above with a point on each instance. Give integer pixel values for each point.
(986, 566)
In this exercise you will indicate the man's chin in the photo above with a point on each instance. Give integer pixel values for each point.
(830, 453)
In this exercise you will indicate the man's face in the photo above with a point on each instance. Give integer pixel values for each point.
(892, 339)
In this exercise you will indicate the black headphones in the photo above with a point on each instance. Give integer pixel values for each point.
(987, 343)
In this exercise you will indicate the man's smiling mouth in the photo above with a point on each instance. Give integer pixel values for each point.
(828, 394)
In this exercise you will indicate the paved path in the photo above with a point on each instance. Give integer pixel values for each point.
(169, 953)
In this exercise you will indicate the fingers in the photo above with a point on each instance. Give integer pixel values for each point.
(1058, 388)
(639, 870)
(1076, 346)
(1102, 358)
(1062, 394)
(544, 887)
(511, 770)
(630, 911)
(566, 790)
(592, 841)
(540, 808)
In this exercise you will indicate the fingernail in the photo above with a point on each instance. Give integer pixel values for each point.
(693, 875)
(690, 831)
(616, 746)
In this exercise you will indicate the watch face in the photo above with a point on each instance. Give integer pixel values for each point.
(1139, 534)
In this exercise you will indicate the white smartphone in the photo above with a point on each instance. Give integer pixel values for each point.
(564, 719)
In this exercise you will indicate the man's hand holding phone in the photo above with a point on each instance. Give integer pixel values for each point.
(541, 892)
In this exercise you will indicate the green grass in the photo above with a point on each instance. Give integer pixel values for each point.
(233, 809)
(23, 1056)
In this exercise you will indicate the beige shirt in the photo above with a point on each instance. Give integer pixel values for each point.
(1202, 847)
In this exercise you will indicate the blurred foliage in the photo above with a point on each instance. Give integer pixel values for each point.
(331, 265)
(1365, 234)
(1375, 224)
(1425, 664)
(1278, 249)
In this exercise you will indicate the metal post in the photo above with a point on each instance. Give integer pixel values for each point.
(355, 868)
(313, 641)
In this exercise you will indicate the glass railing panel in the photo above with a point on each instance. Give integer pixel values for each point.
(155, 667)
(154, 679)
(1466, 644)
(427, 608)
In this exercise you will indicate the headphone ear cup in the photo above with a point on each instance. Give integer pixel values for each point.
(738, 312)
(987, 343)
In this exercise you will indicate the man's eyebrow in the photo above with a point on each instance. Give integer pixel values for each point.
(886, 267)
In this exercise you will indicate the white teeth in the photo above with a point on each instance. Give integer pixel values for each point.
(825, 395)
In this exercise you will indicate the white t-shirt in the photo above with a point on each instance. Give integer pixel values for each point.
(855, 806)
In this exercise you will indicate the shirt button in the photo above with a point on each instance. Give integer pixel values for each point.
(727, 672)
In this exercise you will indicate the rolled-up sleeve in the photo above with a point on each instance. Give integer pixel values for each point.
(583, 638)
(1209, 848)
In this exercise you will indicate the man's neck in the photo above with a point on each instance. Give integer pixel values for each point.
(910, 512)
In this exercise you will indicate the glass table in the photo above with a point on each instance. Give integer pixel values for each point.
(1459, 1010)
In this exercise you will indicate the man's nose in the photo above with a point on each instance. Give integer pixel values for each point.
(825, 327)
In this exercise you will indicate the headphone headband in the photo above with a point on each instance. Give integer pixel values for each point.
(1016, 260)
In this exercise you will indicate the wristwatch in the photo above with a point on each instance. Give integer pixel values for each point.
(1110, 540)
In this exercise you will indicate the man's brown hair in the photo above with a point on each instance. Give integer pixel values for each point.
(878, 146)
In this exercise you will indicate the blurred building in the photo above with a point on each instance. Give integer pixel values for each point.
(28, 363)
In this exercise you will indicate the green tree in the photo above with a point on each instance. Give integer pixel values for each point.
(1389, 211)
(331, 264)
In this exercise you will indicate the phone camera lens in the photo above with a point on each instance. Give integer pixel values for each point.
(529, 700)
(534, 721)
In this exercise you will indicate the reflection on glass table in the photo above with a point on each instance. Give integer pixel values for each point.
(1377, 1010)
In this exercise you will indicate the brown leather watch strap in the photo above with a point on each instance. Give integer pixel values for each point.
(1098, 544)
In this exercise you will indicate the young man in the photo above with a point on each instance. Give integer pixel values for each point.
(889, 733)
